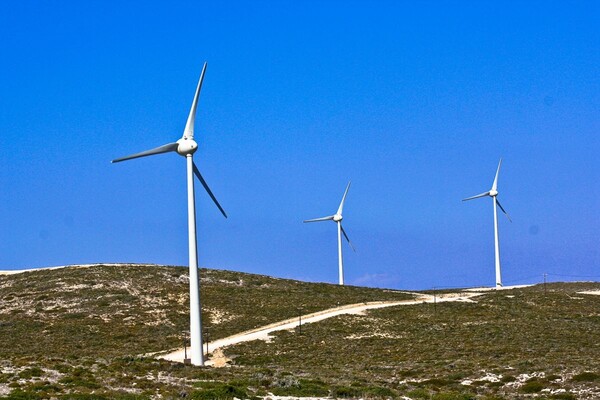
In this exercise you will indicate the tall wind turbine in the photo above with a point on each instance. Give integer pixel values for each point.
(186, 147)
(493, 193)
(337, 218)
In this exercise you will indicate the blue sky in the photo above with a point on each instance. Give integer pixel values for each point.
(415, 102)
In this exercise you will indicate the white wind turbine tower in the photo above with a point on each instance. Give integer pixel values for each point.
(337, 218)
(493, 193)
(186, 147)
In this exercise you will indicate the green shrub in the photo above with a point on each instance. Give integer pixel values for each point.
(220, 392)
(21, 395)
(31, 372)
(452, 396)
(75, 315)
(80, 377)
(438, 383)
(564, 396)
(305, 388)
(62, 368)
(586, 377)
(346, 392)
(45, 387)
(419, 394)
(378, 391)
(532, 386)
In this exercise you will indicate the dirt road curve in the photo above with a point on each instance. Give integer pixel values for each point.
(262, 333)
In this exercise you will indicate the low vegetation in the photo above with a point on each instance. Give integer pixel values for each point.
(110, 311)
(81, 333)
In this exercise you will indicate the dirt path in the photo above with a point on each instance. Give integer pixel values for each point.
(263, 333)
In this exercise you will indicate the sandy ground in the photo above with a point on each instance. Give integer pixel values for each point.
(596, 292)
(263, 333)
(487, 289)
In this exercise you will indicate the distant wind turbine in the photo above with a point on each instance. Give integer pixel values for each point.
(187, 146)
(337, 218)
(493, 193)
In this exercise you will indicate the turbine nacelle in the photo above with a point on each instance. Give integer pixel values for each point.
(186, 146)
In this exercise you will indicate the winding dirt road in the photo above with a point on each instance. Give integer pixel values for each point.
(263, 333)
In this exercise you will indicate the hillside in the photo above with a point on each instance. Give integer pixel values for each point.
(80, 333)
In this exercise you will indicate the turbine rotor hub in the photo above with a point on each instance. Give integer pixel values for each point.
(337, 218)
(493, 193)
(186, 146)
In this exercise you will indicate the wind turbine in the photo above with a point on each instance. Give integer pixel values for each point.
(493, 193)
(337, 218)
(186, 147)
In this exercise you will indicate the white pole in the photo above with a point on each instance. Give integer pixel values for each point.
(340, 260)
(197, 356)
(497, 245)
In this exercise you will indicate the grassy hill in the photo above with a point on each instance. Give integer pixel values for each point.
(79, 333)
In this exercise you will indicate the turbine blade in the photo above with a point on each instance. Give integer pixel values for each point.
(476, 197)
(341, 208)
(188, 132)
(319, 219)
(347, 238)
(159, 150)
(210, 193)
(503, 210)
(495, 184)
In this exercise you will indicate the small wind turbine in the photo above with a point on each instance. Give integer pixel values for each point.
(337, 218)
(186, 147)
(493, 193)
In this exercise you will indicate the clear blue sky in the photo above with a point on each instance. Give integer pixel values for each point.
(415, 103)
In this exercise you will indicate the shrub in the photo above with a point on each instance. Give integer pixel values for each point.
(286, 381)
(437, 382)
(453, 396)
(586, 377)
(378, 391)
(45, 387)
(419, 394)
(305, 388)
(346, 392)
(532, 386)
(221, 392)
(80, 377)
(21, 395)
(564, 396)
(31, 372)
